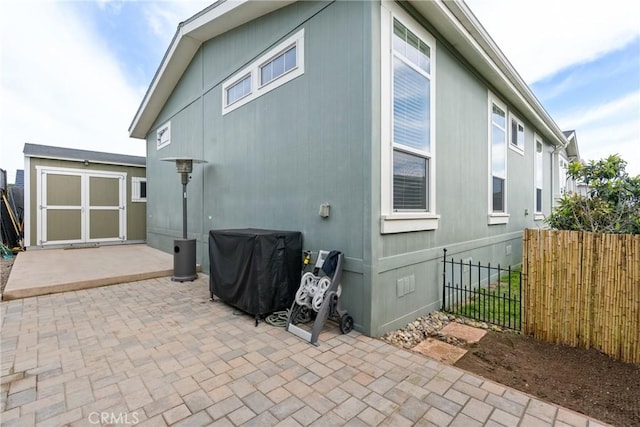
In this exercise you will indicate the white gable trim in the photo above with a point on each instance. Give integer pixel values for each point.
(190, 35)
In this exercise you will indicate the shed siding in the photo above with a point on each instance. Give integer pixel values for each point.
(136, 212)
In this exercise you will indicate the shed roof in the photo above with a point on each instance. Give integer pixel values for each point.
(452, 19)
(60, 153)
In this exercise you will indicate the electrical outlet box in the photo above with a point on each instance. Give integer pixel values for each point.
(405, 285)
(400, 287)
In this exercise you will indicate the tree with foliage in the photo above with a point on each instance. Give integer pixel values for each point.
(612, 202)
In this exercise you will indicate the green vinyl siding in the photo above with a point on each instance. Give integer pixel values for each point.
(317, 139)
(273, 161)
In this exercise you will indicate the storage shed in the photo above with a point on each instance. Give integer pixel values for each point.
(79, 197)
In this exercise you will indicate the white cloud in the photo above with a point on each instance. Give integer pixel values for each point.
(608, 129)
(163, 17)
(541, 37)
(59, 83)
(59, 86)
(626, 107)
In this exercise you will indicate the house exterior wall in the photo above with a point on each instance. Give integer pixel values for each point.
(273, 161)
(136, 212)
(317, 139)
(462, 185)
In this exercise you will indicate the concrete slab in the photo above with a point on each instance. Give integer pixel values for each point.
(48, 271)
(439, 350)
(465, 333)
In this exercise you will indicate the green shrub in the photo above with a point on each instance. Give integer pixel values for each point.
(612, 202)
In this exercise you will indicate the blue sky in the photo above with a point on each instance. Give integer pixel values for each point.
(73, 73)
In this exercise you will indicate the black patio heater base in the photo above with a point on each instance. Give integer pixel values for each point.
(184, 260)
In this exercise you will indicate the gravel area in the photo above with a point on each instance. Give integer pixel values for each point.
(5, 269)
(430, 326)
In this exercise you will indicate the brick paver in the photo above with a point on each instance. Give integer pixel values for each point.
(158, 353)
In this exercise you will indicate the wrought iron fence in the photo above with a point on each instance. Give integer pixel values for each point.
(482, 292)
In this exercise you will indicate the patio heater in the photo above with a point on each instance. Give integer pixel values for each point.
(184, 250)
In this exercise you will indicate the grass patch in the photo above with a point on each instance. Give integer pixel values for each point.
(495, 304)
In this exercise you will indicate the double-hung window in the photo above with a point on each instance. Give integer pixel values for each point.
(411, 120)
(497, 162)
(408, 121)
(516, 135)
(539, 178)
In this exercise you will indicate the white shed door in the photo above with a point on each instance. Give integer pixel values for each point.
(77, 206)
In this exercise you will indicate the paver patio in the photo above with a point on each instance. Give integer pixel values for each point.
(157, 353)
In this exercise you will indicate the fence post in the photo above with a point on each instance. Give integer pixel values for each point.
(509, 291)
(444, 280)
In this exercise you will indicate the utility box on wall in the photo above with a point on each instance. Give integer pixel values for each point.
(256, 271)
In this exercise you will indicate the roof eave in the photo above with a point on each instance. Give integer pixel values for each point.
(190, 35)
(96, 162)
(77, 155)
(453, 19)
(457, 23)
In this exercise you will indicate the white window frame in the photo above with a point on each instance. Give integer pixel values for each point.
(517, 148)
(135, 189)
(403, 221)
(538, 166)
(234, 84)
(272, 60)
(563, 165)
(495, 218)
(163, 136)
(254, 69)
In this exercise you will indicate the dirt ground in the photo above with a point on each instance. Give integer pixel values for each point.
(5, 269)
(586, 381)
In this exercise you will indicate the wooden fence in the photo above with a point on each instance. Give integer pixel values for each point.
(583, 289)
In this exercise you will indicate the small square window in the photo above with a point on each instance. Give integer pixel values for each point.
(163, 136)
(138, 189)
(517, 135)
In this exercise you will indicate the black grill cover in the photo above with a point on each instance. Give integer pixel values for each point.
(256, 271)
